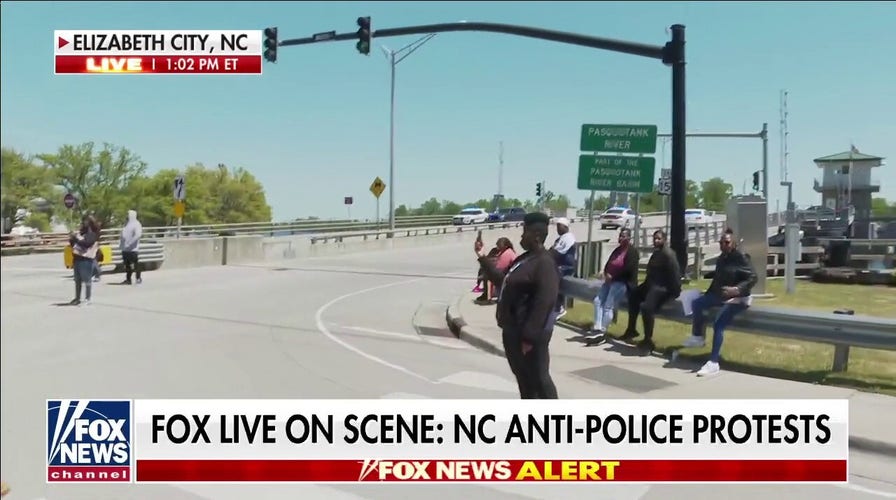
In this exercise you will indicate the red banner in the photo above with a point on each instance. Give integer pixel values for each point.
(632, 471)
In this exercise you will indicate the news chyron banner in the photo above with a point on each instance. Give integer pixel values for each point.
(165, 52)
(457, 441)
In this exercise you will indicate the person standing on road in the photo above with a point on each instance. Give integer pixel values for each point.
(620, 276)
(129, 245)
(526, 308)
(564, 252)
(662, 283)
(97, 272)
(732, 282)
(85, 244)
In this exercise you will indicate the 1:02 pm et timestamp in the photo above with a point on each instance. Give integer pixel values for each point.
(197, 64)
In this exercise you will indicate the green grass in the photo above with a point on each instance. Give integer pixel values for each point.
(868, 369)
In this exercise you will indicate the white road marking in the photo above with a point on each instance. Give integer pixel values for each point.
(870, 491)
(403, 395)
(481, 380)
(241, 492)
(318, 317)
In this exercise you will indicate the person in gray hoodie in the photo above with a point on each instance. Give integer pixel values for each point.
(130, 247)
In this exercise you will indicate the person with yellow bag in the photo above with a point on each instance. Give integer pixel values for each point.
(85, 244)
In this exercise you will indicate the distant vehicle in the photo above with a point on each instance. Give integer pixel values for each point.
(470, 216)
(694, 217)
(619, 217)
(507, 215)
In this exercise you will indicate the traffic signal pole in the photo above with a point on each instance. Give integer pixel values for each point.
(671, 54)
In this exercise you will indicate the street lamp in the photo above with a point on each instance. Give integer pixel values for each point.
(394, 57)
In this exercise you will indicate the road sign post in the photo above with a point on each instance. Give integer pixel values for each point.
(69, 200)
(377, 188)
(348, 203)
(180, 194)
(665, 189)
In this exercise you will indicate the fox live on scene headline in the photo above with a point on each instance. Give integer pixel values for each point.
(414, 441)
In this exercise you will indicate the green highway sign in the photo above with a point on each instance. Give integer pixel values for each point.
(637, 139)
(629, 174)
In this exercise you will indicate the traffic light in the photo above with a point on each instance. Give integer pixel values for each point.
(538, 190)
(756, 180)
(270, 44)
(364, 33)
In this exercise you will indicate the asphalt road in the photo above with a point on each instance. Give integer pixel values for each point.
(356, 326)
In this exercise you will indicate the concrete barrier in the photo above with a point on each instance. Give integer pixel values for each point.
(193, 252)
(242, 249)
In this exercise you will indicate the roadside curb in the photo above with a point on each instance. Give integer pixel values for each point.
(463, 331)
(872, 446)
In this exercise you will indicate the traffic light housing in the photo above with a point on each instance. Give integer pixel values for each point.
(364, 34)
(270, 44)
(756, 180)
(538, 190)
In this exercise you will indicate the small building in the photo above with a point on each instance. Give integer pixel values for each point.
(847, 181)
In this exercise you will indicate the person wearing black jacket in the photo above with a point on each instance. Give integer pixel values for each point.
(525, 310)
(85, 244)
(620, 276)
(730, 288)
(662, 283)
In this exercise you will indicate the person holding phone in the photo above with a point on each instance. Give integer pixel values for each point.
(526, 310)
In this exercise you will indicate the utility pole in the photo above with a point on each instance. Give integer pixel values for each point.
(501, 167)
(393, 61)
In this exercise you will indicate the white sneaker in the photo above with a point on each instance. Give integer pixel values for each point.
(561, 313)
(709, 368)
(693, 341)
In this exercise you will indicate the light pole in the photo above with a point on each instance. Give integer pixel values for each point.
(394, 57)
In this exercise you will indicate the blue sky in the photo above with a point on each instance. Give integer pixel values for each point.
(315, 127)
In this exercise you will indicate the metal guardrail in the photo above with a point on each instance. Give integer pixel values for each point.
(56, 241)
(151, 256)
(839, 330)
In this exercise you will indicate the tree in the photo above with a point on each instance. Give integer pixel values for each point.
(557, 204)
(23, 182)
(99, 179)
(881, 208)
(715, 193)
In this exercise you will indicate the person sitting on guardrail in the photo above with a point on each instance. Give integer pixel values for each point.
(481, 279)
(502, 259)
(526, 308)
(662, 283)
(730, 288)
(620, 276)
(564, 252)
(85, 244)
(129, 244)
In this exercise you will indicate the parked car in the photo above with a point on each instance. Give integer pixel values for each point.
(514, 214)
(619, 217)
(470, 216)
(694, 217)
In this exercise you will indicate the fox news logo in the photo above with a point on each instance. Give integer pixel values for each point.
(88, 441)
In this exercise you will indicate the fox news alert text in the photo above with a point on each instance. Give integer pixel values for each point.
(338, 441)
(187, 52)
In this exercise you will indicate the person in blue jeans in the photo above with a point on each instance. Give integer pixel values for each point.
(564, 253)
(620, 276)
(732, 282)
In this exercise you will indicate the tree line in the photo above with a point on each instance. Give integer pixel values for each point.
(109, 180)
(711, 195)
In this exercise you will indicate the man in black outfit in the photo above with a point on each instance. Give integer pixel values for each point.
(525, 310)
(663, 283)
